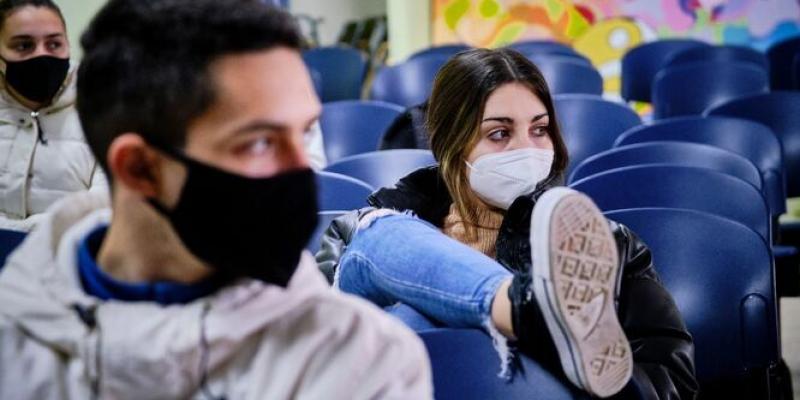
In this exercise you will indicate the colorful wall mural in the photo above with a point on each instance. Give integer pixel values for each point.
(604, 30)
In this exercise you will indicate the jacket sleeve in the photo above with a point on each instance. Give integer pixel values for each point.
(362, 355)
(401, 370)
(663, 351)
(335, 240)
(31, 369)
(407, 131)
(400, 134)
(410, 375)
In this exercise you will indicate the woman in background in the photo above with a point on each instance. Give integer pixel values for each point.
(43, 155)
(487, 240)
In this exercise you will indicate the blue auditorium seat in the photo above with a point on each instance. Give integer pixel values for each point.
(568, 74)
(530, 47)
(316, 79)
(670, 153)
(382, 168)
(560, 57)
(590, 124)
(355, 126)
(780, 56)
(672, 186)
(689, 89)
(778, 111)
(752, 140)
(342, 70)
(796, 71)
(448, 50)
(726, 53)
(720, 274)
(338, 192)
(641, 64)
(465, 366)
(755, 142)
(9, 240)
(409, 83)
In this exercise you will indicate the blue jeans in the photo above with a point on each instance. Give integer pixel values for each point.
(400, 261)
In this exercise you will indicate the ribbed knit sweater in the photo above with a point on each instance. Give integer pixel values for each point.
(486, 227)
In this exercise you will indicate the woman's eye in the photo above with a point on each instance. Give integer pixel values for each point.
(540, 130)
(22, 46)
(498, 135)
(54, 45)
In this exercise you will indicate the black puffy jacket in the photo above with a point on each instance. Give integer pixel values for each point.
(407, 130)
(663, 352)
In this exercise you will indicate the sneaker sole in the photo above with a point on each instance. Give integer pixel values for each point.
(575, 269)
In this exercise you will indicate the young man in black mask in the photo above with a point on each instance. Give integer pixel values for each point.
(42, 149)
(196, 285)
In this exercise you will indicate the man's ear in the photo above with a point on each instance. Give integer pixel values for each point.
(134, 164)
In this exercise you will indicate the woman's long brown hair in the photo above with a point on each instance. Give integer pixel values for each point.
(455, 110)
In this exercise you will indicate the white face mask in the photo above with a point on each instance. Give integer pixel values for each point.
(499, 178)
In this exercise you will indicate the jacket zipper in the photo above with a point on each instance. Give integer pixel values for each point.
(39, 131)
(88, 315)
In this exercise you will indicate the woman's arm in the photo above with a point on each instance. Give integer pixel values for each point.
(335, 240)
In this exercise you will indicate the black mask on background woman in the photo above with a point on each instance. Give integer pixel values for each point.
(37, 79)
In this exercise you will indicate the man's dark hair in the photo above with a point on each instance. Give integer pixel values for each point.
(9, 6)
(146, 63)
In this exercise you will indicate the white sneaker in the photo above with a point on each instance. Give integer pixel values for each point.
(575, 277)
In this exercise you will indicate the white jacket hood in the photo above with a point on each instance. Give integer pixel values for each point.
(248, 341)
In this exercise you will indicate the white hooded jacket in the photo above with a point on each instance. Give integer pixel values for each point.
(247, 341)
(33, 175)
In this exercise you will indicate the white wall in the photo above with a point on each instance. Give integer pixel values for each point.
(409, 27)
(335, 13)
(78, 13)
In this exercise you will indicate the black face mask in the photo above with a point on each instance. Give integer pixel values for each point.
(253, 227)
(37, 79)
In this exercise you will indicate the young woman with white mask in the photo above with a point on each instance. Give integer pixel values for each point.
(43, 154)
(487, 240)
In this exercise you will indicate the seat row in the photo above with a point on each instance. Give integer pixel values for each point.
(680, 76)
(685, 76)
(592, 124)
(340, 73)
(709, 234)
(757, 137)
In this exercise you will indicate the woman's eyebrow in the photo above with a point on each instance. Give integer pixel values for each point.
(538, 117)
(23, 36)
(508, 120)
(505, 120)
